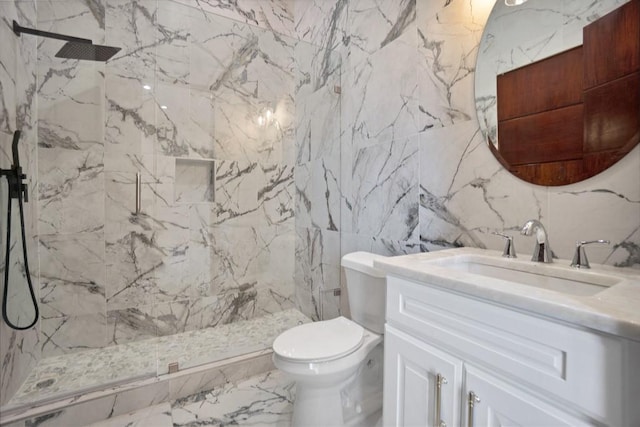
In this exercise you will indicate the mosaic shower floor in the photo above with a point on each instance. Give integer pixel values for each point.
(65, 375)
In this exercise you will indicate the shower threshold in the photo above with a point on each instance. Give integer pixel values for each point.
(75, 374)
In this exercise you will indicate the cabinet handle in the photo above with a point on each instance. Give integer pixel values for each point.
(473, 399)
(439, 381)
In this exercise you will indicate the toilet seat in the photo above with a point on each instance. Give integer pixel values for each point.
(319, 341)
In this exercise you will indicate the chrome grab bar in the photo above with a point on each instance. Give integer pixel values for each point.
(138, 193)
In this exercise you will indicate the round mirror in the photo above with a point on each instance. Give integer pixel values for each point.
(550, 107)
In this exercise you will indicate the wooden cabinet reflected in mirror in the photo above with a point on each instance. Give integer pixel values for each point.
(569, 116)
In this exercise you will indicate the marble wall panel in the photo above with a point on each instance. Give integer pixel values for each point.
(236, 200)
(465, 195)
(19, 350)
(274, 15)
(171, 283)
(317, 194)
(172, 119)
(70, 92)
(463, 206)
(70, 104)
(385, 188)
(448, 39)
(275, 194)
(322, 23)
(239, 258)
(199, 263)
(73, 333)
(130, 115)
(68, 286)
(173, 36)
(317, 268)
(381, 88)
(201, 129)
(317, 119)
(130, 324)
(131, 25)
(132, 260)
(606, 206)
(71, 190)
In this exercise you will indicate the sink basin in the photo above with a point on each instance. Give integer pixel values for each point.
(554, 277)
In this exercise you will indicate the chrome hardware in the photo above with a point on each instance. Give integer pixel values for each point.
(473, 399)
(509, 250)
(173, 367)
(138, 193)
(580, 256)
(439, 381)
(542, 250)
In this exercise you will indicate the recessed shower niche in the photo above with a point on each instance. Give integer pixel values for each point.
(195, 181)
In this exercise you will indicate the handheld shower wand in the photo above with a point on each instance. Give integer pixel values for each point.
(17, 189)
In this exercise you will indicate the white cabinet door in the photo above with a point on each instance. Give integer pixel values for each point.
(411, 369)
(500, 404)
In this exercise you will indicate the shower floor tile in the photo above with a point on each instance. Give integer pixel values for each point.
(264, 400)
(76, 373)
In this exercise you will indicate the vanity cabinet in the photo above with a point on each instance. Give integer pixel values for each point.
(422, 383)
(455, 360)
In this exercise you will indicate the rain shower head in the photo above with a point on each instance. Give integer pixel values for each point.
(75, 48)
(87, 51)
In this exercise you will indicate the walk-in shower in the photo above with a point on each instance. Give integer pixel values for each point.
(170, 225)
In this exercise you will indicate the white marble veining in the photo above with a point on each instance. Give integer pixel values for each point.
(19, 350)
(153, 416)
(262, 400)
(613, 309)
(464, 193)
(404, 68)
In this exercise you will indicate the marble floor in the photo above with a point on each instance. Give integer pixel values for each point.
(65, 375)
(263, 400)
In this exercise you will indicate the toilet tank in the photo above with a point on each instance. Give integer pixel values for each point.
(367, 290)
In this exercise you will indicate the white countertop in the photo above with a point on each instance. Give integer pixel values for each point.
(614, 310)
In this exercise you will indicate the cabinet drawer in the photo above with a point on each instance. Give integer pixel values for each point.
(588, 370)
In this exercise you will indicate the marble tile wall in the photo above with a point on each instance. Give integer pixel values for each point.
(394, 164)
(416, 175)
(236, 87)
(19, 350)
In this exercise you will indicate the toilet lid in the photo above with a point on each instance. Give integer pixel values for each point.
(329, 339)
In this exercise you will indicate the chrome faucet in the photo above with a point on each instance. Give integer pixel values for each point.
(542, 250)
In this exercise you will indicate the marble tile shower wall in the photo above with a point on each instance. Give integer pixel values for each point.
(213, 69)
(19, 350)
(416, 175)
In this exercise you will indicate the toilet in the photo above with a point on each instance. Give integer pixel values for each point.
(337, 364)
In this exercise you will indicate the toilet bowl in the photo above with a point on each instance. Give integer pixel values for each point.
(337, 363)
(323, 359)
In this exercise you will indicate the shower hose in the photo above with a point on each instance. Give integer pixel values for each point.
(16, 181)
